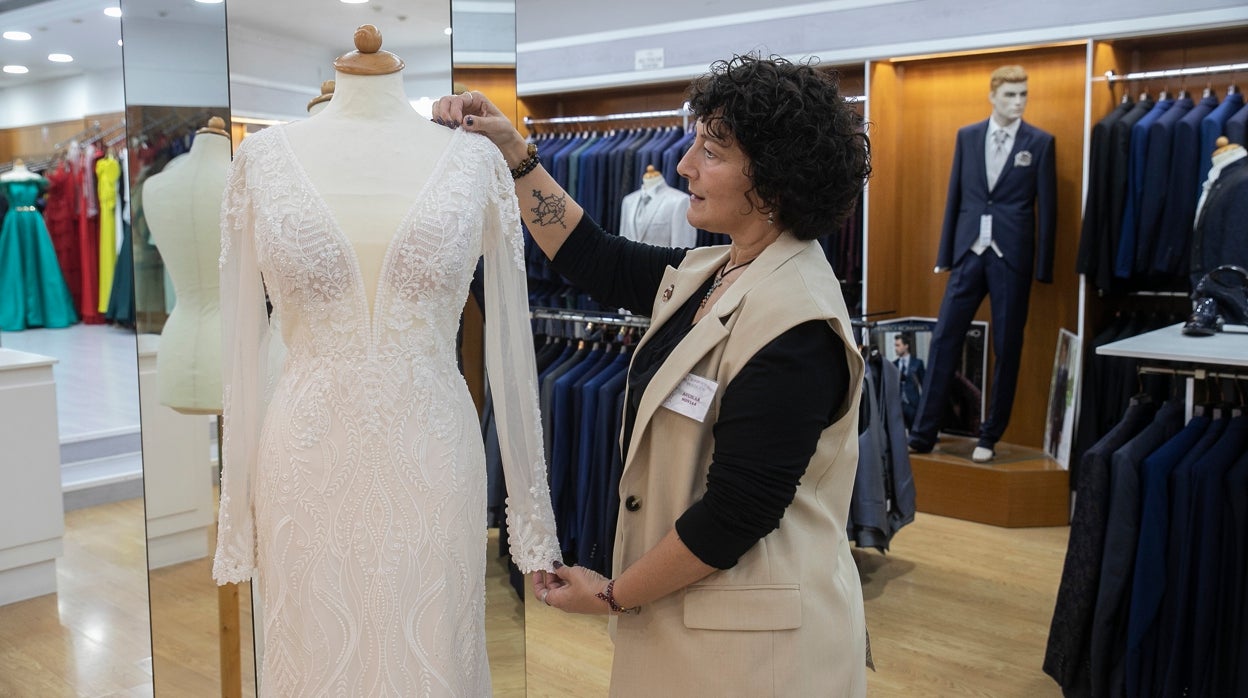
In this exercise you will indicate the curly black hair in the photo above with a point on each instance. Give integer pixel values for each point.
(809, 152)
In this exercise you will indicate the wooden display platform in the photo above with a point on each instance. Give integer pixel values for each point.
(1022, 487)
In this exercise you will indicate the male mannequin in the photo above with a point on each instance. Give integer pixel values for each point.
(1002, 188)
(912, 372)
(656, 213)
(182, 205)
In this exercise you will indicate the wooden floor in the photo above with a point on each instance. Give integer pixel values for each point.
(955, 608)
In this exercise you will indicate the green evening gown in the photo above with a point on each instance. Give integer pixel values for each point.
(32, 291)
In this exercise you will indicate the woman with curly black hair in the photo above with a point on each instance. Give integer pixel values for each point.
(733, 571)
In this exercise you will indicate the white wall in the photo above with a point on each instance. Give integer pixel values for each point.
(575, 45)
(65, 99)
(174, 64)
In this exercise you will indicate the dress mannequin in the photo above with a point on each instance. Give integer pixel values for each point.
(656, 213)
(354, 481)
(18, 173)
(183, 211)
(317, 104)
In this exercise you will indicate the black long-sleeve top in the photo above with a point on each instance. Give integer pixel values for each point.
(771, 413)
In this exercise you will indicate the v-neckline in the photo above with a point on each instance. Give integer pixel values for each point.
(371, 310)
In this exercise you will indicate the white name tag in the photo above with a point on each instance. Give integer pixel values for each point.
(985, 230)
(692, 397)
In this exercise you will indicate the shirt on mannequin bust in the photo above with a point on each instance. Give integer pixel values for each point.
(657, 214)
(182, 206)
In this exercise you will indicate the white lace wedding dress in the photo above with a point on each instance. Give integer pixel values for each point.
(355, 481)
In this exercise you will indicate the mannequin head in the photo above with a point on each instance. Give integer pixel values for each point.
(1008, 94)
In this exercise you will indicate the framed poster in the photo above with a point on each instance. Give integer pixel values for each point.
(912, 336)
(1059, 426)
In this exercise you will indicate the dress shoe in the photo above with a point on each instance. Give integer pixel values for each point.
(983, 454)
(1228, 285)
(1205, 320)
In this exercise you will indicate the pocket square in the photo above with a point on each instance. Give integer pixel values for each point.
(1022, 159)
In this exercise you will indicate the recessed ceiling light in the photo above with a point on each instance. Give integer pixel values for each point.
(353, 2)
(60, 58)
(447, 31)
(17, 36)
(210, 2)
(16, 69)
(119, 42)
(112, 11)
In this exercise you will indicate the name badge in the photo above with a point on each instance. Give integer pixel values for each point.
(985, 230)
(692, 397)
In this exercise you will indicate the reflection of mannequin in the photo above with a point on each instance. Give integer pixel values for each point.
(1003, 183)
(356, 492)
(18, 173)
(317, 103)
(1221, 227)
(655, 214)
(183, 211)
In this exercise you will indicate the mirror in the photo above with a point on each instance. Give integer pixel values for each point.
(73, 592)
(280, 54)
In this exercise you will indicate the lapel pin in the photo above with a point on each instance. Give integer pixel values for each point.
(667, 292)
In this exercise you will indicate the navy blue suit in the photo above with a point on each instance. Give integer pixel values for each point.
(1137, 169)
(1156, 182)
(1023, 206)
(1211, 128)
(1235, 127)
(1173, 235)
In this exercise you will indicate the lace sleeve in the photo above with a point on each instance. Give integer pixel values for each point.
(512, 373)
(244, 365)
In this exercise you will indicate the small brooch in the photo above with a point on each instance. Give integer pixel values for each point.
(667, 292)
(1022, 159)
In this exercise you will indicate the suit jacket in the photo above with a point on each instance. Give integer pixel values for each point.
(662, 221)
(1235, 127)
(1120, 174)
(1094, 239)
(1175, 229)
(911, 380)
(1124, 263)
(1023, 200)
(787, 620)
(1211, 128)
(883, 460)
(1156, 181)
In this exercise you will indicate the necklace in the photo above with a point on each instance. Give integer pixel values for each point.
(719, 280)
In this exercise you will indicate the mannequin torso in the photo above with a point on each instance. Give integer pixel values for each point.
(182, 207)
(368, 155)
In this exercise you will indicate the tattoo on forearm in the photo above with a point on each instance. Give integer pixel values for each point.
(550, 209)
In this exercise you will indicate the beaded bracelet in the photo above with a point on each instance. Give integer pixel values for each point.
(608, 595)
(528, 164)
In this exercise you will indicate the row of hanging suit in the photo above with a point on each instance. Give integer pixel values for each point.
(1151, 601)
(1149, 164)
(600, 169)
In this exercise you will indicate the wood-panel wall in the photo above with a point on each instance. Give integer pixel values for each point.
(35, 142)
(917, 107)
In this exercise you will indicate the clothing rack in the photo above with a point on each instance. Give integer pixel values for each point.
(683, 113)
(1197, 373)
(589, 316)
(1112, 77)
(91, 130)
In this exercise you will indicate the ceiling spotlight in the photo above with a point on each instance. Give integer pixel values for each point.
(447, 31)
(119, 42)
(16, 69)
(60, 58)
(353, 2)
(210, 2)
(112, 11)
(17, 36)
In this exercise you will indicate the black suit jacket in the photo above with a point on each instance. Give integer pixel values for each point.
(1023, 201)
(1094, 238)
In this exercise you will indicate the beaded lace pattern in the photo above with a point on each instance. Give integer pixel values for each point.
(354, 481)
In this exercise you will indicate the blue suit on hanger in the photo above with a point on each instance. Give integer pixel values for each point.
(1211, 128)
(1157, 183)
(1023, 210)
(1236, 126)
(1124, 264)
(1175, 230)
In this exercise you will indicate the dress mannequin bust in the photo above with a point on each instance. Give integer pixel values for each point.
(317, 104)
(370, 130)
(18, 173)
(183, 209)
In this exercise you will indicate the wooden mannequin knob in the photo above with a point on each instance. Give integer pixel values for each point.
(215, 125)
(368, 58)
(327, 93)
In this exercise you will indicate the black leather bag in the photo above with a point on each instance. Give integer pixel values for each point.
(1221, 296)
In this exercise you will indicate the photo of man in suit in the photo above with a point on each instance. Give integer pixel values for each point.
(912, 372)
(999, 225)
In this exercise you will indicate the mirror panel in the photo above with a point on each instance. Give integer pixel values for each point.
(73, 592)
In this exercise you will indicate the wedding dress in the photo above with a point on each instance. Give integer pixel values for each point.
(355, 481)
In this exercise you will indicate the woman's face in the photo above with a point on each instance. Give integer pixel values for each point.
(718, 186)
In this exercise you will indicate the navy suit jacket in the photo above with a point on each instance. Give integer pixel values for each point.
(1175, 231)
(1024, 200)
(1235, 127)
(913, 378)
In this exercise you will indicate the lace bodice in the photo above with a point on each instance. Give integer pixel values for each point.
(359, 456)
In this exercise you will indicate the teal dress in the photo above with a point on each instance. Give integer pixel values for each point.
(32, 291)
